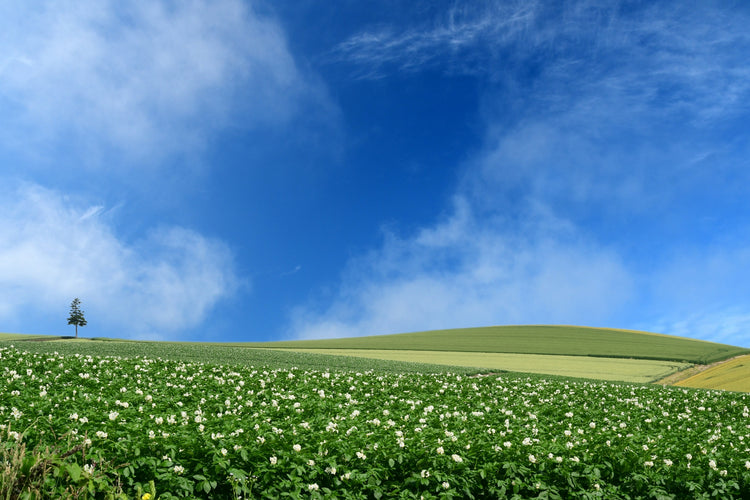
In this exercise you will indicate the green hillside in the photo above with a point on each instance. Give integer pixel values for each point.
(215, 353)
(556, 350)
(535, 339)
(18, 336)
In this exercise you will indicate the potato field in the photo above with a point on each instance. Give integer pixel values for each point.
(84, 426)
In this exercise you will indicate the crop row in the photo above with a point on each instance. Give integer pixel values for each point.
(214, 431)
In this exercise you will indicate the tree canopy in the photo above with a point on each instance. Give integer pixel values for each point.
(76, 315)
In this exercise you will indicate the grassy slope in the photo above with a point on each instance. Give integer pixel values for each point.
(553, 340)
(18, 336)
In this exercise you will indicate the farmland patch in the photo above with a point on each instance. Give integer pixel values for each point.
(627, 370)
(732, 375)
(201, 430)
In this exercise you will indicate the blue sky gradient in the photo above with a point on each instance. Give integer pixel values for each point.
(234, 170)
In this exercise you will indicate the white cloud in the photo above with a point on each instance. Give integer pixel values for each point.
(536, 269)
(462, 273)
(686, 60)
(543, 230)
(703, 293)
(459, 40)
(726, 326)
(148, 78)
(55, 248)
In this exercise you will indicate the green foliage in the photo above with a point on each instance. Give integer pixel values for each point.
(200, 430)
(51, 471)
(554, 340)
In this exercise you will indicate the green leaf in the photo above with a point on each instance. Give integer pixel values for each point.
(74, 471)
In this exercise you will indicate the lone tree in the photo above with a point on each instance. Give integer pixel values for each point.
(76, 315)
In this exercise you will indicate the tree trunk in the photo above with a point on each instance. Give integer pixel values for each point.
(76, 331)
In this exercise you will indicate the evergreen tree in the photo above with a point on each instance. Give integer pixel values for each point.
(76, 315)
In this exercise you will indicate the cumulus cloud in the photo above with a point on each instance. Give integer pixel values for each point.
(533, 268)
(462, 273)
(56, 248)
(546, 227)
(147, 78)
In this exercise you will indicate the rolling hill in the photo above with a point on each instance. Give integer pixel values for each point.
(568, 351)
(534, 339)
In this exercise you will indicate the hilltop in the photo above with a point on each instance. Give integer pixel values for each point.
(534, 339)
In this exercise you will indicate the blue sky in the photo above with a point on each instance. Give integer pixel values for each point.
(234, 170)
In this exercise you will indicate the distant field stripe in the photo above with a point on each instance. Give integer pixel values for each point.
(619, 369)
(732, 375)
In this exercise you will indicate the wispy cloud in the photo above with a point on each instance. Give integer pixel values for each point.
(703, 292)
(724, 325)
(682, 58)
(291, 272)
(56, 248)
(147, 79)
(457, 40)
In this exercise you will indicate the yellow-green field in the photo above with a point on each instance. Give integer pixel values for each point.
(732, 375)
(619, 369)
